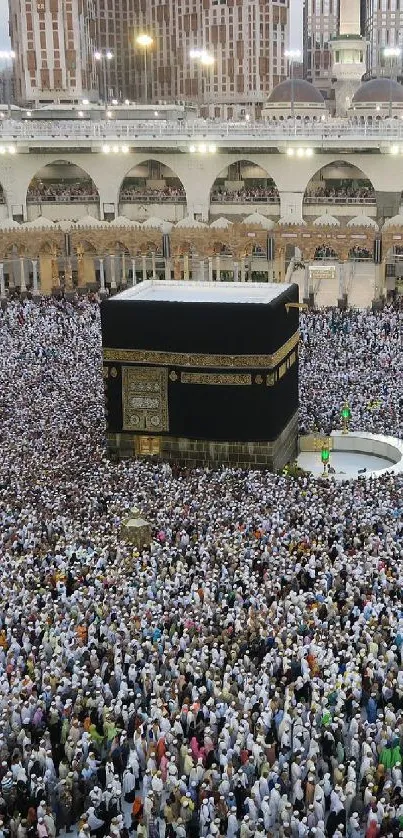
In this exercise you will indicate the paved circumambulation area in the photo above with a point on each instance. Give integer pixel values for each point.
(243, 676)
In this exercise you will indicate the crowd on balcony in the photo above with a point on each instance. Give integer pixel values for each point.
(348, 194)
(247, 195)
(359, 253)
(325, 252)
(62, 191)
(170, 194)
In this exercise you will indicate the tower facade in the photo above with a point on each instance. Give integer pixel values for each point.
(383, 28)
(52, 43)
(348, 56)
(321, 21)
(246, 39)
(56, 42)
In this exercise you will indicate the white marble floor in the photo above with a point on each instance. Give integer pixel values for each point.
(347, 465)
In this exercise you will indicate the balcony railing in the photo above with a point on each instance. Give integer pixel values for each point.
(327, 199)
(62, 199)
(138, 197)
(382, 130)
(244, 199)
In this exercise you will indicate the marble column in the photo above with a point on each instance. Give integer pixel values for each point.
(243, 270)
(236, 271)
(134, 280)
(23, 286)
(218, 269)
(342, 284)
(201, 270)
(210, 268)
(153, 265)
(144, 267)
(306, 282)
(123, 279)
(186, 267)
(113, 273)
(167, 269)
(2, 283)
(379, 288)
(311, 288)
(102, 276)
(35, 289)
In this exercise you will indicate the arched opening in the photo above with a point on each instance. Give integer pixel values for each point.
(62, 182)
(2, 195)
(244, 182)
(325, 253)
(340, 183)
(152, 182)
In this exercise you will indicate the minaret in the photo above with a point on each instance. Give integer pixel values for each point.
(348, 50)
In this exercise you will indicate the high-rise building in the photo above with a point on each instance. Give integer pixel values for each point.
(348, 57)
(383, 28)
(226, 55)
(53, 46)
(246, 39)
(6, 86)
(321, 21)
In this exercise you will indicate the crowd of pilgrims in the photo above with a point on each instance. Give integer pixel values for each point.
(242, 675)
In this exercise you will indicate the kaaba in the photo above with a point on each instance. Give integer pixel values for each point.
(202, 373)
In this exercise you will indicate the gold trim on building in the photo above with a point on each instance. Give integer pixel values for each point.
(145, 399)
(147, 446)
(183, 359)
(237, 379)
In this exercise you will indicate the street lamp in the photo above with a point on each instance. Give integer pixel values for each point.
(292, 54)
(104, 58)
(207, 60)
(204, 59)
(391, 53)
(145, 42)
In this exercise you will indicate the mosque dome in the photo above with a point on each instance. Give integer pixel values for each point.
(303, 93)
(378, 91)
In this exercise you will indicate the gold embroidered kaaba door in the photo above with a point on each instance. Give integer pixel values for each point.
(145, 399)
